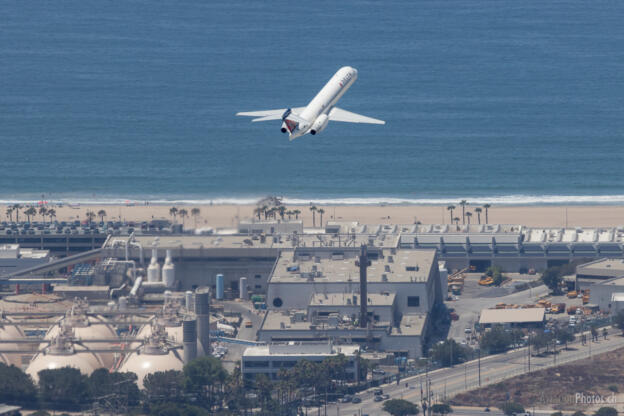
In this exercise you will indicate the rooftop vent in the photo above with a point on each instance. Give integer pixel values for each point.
(387, 268)
(317, 259)
(384, 277)
(390, 259)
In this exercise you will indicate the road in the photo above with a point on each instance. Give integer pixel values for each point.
(235, 352)
(446, 382)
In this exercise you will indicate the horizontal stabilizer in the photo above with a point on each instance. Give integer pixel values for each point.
(338, 114)
(266, 115)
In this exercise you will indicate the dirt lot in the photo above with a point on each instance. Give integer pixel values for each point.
(567, 387)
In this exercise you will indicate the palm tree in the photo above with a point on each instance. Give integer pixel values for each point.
(451, 208)
(195, 213)
(258, 212)
(51, 214)
(313, 209)
(173, 211)
(183, 214)
(9, 213)
(468, 215)
(31, 211)
(90, 216)
(321, 212)
(290, 214)
(43, 211)
(463, 205)
(101, 213)
(456, 219)
(265, 211)
(296, 214)
(281, 209)
(16, 208)
(478, 211)
(486, 207)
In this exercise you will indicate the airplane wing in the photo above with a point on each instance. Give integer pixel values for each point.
(338, 114)
(266, 115)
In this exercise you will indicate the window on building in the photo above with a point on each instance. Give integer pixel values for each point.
(258, 286)
(413, 301)
(258, 276)
(256, 364)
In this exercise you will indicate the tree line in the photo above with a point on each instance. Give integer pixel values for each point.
(202, 387)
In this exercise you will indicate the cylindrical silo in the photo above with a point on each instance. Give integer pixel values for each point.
(220, 286)
(188, 299)
(189, 339)
(153, 270)
(242, 288)
(202, 311)
(168, 271)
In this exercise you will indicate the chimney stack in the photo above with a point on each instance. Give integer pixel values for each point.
(202, 311)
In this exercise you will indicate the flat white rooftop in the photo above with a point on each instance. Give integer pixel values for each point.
(403, 266)
(300, 349)
(346, 299)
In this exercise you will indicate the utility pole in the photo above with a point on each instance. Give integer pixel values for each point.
(529, 352)
(465, 376)
(479, 363)
(451, 344)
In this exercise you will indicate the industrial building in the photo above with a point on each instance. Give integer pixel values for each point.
(602, 293)
(14, 258)
(601, 269)
(376, 297)
(270, 359)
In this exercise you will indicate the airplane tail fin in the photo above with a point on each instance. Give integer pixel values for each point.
(292, 120)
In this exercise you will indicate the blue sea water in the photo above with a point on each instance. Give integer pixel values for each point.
(508, 101)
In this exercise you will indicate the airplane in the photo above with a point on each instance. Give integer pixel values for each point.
(314, 117)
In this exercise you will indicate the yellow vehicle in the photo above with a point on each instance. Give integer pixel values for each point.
(248, 324)
(486, 281)
(572, 294)
(585, 299)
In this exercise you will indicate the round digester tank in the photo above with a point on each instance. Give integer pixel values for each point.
(8, 332)
(220, 286)
(86, 362)
(84, 329)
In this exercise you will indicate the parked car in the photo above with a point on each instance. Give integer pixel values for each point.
(356, 400)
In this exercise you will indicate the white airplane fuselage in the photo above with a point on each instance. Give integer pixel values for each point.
(317, 111)
(313, 118)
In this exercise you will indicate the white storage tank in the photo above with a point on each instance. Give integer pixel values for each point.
(154, 356)
(61, 353)
(242, 288)
(84, 328)
(153, 270)
(168, 271)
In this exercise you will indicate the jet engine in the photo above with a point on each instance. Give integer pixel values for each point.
(319, 124)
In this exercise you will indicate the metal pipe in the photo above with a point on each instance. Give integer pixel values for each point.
(136, 286)
(141, 258)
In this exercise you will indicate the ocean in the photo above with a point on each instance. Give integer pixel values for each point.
(500, 101)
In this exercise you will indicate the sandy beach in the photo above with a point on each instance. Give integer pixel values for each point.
(226, 216)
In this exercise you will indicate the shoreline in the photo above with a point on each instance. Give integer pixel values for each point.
(228, 215)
